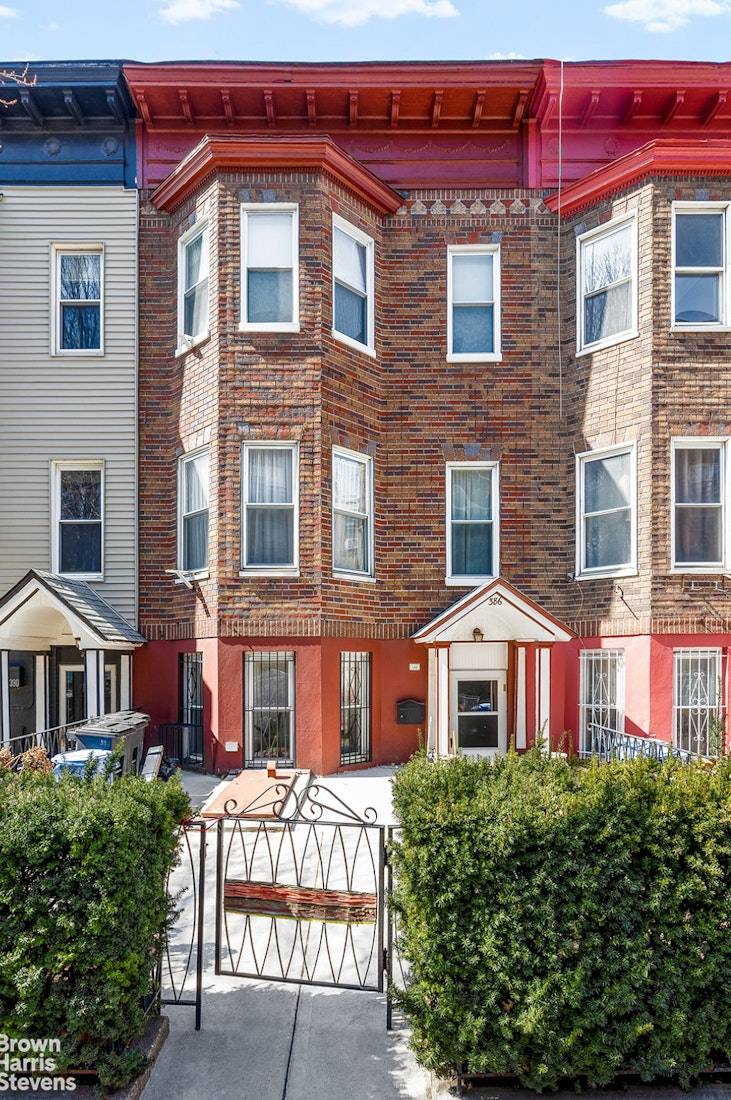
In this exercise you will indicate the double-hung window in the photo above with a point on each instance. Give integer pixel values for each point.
(697, 701)
(270, 508)
(193, 491)
(269, 693)
(352, 513)
(270, 263)
(353, 285)
(79, 297)
(472, 522)
(606, 512)
(607, 284)
(473, 303)
(78, 542)
(602, 694)
(700, 281)
(193, 307)
(699, 513)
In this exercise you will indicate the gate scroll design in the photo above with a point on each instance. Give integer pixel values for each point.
(300, 890)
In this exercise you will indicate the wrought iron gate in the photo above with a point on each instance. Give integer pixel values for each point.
(300, 890)
(180, 971)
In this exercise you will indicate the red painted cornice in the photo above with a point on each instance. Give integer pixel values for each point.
(233, 152)
(662, 157)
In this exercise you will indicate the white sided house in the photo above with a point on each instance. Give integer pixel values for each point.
(68, 406)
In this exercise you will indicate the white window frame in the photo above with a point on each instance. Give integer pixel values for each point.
(59, 249)
(189, 456)
(367, 461)
(459, 580)
(582, 348)
(617, 656)
(630, 570)
(259, 656)
(708, 443)
(184, 342)
(292, 569)
(724, 323)
(58, 467)
(494, 356)
(271, 208)
(369, 348)
(698, 653)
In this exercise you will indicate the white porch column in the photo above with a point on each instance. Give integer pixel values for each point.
(43, 721)
(94, 682)
(4, 696)
(125, 681)
(520, 729)
(543, 695)
(431, 695)
(443, 701)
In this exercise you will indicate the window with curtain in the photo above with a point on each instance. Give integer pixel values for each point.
(607, 284)
(269, 507)
(474, 302)
(606, 520)
(270, 260)
(698, 523)
(193, 505)
(79, 278)
(193, 285)
(472, 521)
(602, 692)
(352, 283)
(269, 696)
(80, 520)
(352, 513)
(700, 265)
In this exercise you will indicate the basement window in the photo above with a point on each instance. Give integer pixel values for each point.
(700, 251)
(607, 285)
(270, 261)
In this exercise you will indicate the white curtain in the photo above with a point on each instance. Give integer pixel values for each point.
(349, 261)
(270, 475)
(349, 484)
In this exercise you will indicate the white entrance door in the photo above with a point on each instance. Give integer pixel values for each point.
(479, 712)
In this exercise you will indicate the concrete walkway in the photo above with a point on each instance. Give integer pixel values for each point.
(269, 1041)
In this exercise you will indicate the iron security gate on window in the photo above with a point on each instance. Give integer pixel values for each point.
(301, 890)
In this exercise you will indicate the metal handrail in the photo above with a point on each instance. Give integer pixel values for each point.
(609, 744)
(54, 740)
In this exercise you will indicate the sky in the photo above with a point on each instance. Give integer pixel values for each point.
(353, 30)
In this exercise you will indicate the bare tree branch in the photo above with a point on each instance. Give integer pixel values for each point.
(15, 79)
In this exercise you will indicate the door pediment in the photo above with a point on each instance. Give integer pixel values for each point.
(499, 613)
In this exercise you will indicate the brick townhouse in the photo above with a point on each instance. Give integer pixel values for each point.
(433, 409)
(434, 405)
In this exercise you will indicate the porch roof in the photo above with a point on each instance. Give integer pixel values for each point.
(33, 608)
(500, 613)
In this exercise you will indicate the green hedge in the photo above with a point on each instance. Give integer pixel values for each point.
(565, 921)
(83, 908)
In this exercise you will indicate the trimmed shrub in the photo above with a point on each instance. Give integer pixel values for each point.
(83, 909)
(565, 921)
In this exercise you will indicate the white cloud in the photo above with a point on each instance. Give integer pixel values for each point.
(661, 16)
(354, 13)
(510, 56)
(184, 11)
(7, 13)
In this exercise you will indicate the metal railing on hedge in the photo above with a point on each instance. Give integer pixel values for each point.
(609, 744)
(55, 740)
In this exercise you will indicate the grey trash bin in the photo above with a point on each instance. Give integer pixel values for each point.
(105, 733)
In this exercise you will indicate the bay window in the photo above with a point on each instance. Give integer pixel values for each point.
(352, 513)
(607, 284)
(193, 512)
(606, 507)
(700, 282)
(270, 267)
(270, 508)
(353, 285)
(472, 522)
(78, 519)
(473, 302)
(698, 504)
(78, 327)
(193, 307)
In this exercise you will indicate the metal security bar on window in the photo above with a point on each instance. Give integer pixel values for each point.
(602, 692)
(355, 708)
(696, 699)
(269, 708)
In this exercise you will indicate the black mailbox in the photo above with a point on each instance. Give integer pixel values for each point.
(409, 712)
